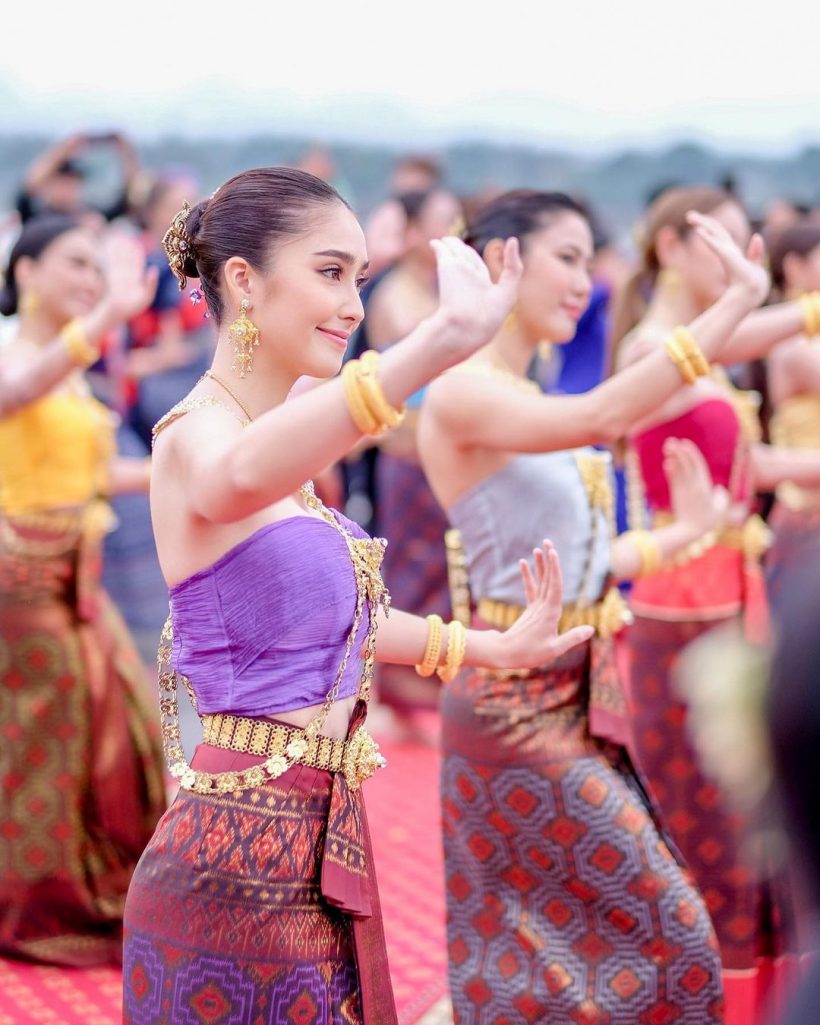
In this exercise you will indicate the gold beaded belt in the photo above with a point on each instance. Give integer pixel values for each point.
(283, 746)
(752, 538)
(608, 615)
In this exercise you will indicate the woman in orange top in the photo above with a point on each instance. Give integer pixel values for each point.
(80, 772)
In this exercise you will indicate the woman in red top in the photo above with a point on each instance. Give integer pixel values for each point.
(713, 582)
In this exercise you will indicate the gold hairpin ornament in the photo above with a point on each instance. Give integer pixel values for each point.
(177, 245)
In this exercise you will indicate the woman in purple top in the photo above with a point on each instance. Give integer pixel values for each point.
(256, 900)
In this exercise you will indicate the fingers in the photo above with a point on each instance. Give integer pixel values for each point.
(756, 251)
(530, 589)
(571, 639)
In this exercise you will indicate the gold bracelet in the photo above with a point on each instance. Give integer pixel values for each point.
(678, 356)
(374, 396)
(356, 404)
(432, 650)
(456, 649)
(649, 551)
(77, 345)
(810, 303)
(692, 351)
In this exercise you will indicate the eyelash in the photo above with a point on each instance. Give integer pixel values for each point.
(336, 274)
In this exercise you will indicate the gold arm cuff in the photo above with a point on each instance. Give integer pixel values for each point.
(77, 345)
(456, 650)
(432, 651)
(648, 550)
(692, 351)
(678, 357)
(373, 394)
(357, 406)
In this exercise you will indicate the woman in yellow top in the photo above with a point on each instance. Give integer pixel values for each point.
(81, 784)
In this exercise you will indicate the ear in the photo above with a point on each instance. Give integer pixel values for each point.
(793, 271)
(23, 272)
(667, 246)
(493, 256)
(237, 275)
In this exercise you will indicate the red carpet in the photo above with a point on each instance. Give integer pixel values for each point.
(403, 810)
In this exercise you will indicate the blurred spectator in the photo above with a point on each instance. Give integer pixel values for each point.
(168, 345)
(56, 181)
(385, 228)
(407, 514)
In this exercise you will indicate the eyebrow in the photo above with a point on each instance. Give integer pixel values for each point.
(340, 254)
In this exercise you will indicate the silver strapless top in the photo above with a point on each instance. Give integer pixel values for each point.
(533, 498)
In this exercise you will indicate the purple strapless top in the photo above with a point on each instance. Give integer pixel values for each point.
(263, 629)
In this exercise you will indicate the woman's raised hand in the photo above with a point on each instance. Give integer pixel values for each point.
(471, 306)
(533, 640)
(747, 269)
(130, 286)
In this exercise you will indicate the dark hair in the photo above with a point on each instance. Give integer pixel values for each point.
(518, 213)
(245, 217)
(413, 203)
(801, 239)
(33, 241)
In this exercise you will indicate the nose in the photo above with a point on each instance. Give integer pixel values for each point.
(352, 309)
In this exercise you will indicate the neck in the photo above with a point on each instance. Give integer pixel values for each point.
(672, 306)
(39, 327)
(264, 388)
(512, 350)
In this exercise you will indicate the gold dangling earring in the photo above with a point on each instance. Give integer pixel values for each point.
(244, 335)
(544, 350)
(511, 320)
(29, 302)
(669, 280)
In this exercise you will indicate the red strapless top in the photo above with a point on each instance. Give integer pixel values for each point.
(722, 582)
(714, 427)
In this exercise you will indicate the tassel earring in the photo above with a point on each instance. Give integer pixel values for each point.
(669, 280)
(29, 302)
(244, 336)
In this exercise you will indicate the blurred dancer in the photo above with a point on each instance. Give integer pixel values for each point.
(678, 279)
(407, 513)
(80, 768)
(564, 902)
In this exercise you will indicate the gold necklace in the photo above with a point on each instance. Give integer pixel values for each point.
(218, 380)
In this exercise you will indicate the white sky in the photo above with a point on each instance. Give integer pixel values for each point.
(565, 71)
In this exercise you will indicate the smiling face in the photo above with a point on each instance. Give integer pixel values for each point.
(66, 277)
(556, 284)
(306, 302)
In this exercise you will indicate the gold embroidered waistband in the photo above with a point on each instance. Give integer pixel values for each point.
(283, 746)
(607, 616)
(752, 537)
(63, 529)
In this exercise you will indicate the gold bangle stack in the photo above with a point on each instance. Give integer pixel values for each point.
(366, 401)
(686, 354)
(810, 302)
(432, 651)
(649, 551)
(456, 649)
(77, 345)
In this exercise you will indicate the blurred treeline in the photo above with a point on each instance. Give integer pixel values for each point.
(616, 184)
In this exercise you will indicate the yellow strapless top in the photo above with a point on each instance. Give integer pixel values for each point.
(55, 453)
(796, 424)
